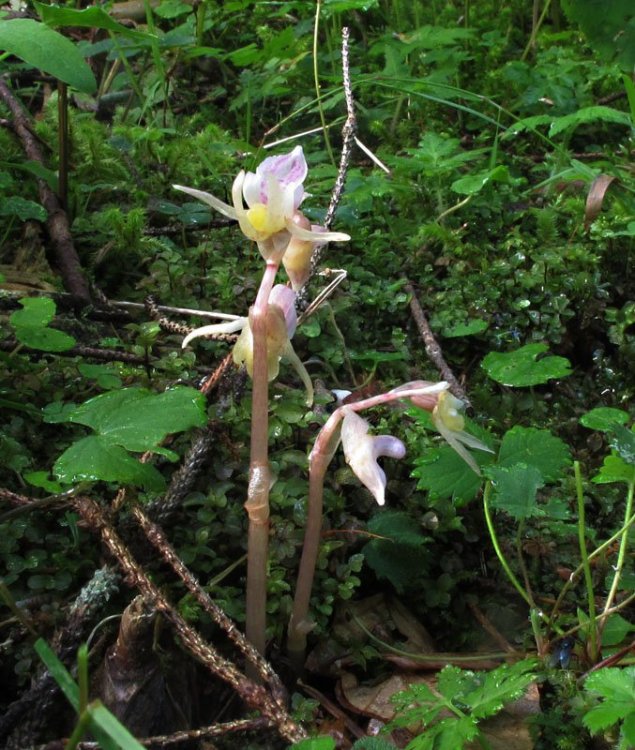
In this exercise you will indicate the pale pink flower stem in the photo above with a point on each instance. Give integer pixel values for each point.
(323, 451)
(257, 504)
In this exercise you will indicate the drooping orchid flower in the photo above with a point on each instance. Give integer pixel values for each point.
(448, 419)
(281, 324)
(273, 194)
(362, 450)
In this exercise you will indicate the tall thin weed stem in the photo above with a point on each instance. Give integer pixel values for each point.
(588, 579)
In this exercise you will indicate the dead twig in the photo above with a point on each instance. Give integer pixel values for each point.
(348, 138)
(255, 696)
(433, 350)
(209, 732)
(66, 255)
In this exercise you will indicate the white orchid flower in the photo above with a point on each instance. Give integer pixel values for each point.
(281, 324)
(273, 195)
(362, 450)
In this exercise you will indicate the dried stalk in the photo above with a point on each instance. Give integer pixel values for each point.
(57, 223)
(255, 696)
(433, 350)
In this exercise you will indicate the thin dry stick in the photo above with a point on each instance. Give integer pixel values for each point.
(348, 138)
(157, 538)
(59, 230)
(213, 730)
(255, 696)
(433, 350)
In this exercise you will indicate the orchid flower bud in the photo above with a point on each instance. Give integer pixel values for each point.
(362, 450)
(297, 257)
(273, 194)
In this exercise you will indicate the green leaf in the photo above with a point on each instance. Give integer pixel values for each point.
(605, 715)
(603, 418)
(515, 489)
(444, 473)
(43, 480)
(523, 367)
(31, 323)
(613, 683)
(465, 329)
(615, 630)
(138, 419)
(373, 743)
(617, 689)
(615, 469)
(624, 443)
(37, 170)
(628, 729)
(96, 458)
(107, 376)
(101, 718)
(609, 27)
(36, 312)
(474, 183)
(397, 526)
(590, 114)
(500, 686)
(94, 17)
(57, 412)
(537, 448)
(22, 209)
(45, 339)
(58, 671)
(453, 733)
(47, 50)
(314, 743)
(399, 557)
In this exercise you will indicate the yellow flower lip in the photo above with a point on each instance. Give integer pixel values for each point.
(266, 202)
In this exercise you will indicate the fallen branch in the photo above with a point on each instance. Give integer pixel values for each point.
(66, 255)
(255, 696)
(433, 350)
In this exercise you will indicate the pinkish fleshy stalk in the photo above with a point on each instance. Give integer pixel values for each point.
(257, 504)
(319, 459)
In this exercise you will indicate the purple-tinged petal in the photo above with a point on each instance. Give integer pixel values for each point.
(387, 445)
(284, 297)
(288, 171)
(427, 401)
(362, 450)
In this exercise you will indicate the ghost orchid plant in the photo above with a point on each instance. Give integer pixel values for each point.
(266, 206)
(266, 203)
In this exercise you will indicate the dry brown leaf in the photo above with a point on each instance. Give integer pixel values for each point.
(595, 198)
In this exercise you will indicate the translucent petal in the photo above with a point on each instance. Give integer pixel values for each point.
(361, 451)
(284, 298)
(452, 439)
(287, 170)
(295, 362)
(314, 236)
(215, 203)
(231, 326)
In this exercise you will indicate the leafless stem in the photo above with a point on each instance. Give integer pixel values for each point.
(433, 350)
(348, 138)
